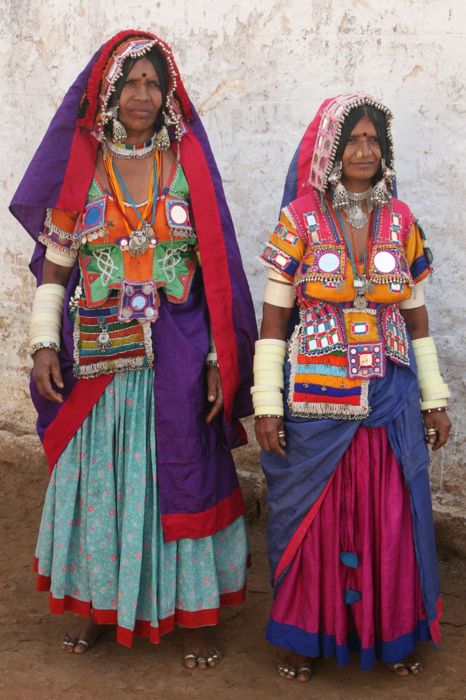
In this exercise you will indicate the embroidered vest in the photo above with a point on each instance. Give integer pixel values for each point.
(337, 348)
(121, 288)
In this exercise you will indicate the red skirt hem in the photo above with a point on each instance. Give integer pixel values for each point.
(143, 628)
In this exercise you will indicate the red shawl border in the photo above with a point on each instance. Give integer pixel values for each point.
(71, 415)
(214, 263)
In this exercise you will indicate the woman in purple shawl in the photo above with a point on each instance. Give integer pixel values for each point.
(142, 362)
(350, 532)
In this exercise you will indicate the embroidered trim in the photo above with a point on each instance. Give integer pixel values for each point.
(103, 344)
(51, 228)
(321, 330)
(71, 252)
(394, 334)
(312, 267)
(348, 404)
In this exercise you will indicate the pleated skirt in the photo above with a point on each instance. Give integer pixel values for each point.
(353, 584)
(101, 551)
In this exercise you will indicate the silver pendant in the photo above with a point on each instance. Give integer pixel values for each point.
(360, 302)
(104, 340)
(141, 240)
(356, 216)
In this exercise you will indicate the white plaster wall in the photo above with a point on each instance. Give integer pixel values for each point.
(257, 72)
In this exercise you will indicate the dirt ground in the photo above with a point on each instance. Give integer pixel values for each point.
(32, 666)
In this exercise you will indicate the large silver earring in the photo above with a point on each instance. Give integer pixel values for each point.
(173, 117)
(380, 194)
(340, 195)
(119, 132)
(162, 139)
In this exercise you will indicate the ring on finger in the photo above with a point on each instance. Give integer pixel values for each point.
(431, 431)
(281, 433)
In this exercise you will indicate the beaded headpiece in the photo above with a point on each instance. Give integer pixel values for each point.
(329, 134)
(108, 69)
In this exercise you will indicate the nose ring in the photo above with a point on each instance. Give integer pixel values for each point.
(359, 155)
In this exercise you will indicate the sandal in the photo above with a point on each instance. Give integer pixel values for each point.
(73, 645)
(406, 667)
(290, 672)
(304, 670)
(286, 671)
(202, 661)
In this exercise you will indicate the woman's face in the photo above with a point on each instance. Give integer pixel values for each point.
(140, 101)
(361, 157)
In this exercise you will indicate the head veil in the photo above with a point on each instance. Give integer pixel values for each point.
(314, 158)
(61, 172)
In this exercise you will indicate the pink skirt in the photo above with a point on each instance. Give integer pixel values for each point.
(354, 582)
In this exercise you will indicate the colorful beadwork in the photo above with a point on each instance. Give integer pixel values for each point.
(279, 260)
(282, 232)
(395, 334)
(396, 222)
(104, 344)
(321, 330)
(320, 386)
(312, 224)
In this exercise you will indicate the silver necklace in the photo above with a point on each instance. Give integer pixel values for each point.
(127, 151)
(356, 216)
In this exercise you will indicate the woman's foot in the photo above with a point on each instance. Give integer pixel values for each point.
(411, 665)
(83, 640)
(199, 649)
(295, 666)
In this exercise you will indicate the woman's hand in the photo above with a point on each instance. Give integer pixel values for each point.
(440, 422)
(270, 434)
(45, 371)
(214, 393)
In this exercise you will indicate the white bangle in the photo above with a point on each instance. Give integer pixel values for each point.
(58, 258)
(46, 317)
(267, 396)
(279, 292)
(434, 391)
(416, 299)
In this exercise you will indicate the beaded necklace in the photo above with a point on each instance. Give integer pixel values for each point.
(126, 151)
(362, 285)
(143, 238)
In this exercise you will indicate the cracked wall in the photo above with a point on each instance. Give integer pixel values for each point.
(257, 72)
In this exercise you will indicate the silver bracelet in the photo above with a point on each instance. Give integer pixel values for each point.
(49, 344)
